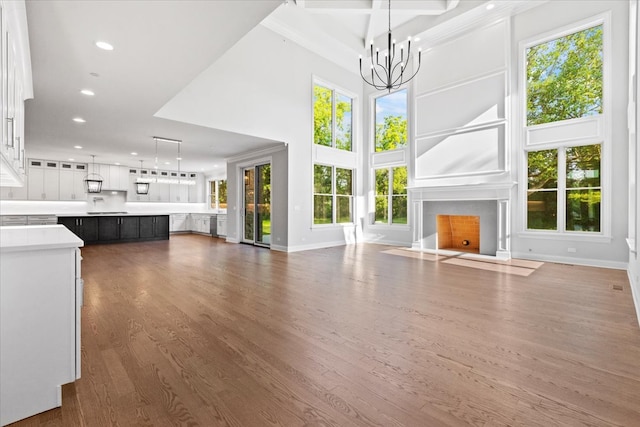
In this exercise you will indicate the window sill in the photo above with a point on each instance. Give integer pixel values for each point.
(339, 225)
(403, 227)
(593, 238)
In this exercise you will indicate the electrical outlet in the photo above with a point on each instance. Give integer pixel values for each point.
(572, 250)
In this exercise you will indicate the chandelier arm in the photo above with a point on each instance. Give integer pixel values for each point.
(414, 74)
(378, 75)
(370, 83)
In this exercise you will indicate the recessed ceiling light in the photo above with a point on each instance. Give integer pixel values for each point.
(78, 147)
(72, 160)
(104, 45)
(87, 92)
(490, 6)
(417, 39)
(79, 120)
(178, 158)
(167, 163)
(134, 153)
(117, 163)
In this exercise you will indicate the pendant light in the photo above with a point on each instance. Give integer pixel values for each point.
(93, 181)
(389, 75)
(142, 187)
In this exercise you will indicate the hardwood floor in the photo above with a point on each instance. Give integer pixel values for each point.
(195, 331)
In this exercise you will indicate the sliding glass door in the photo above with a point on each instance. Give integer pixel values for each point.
(257, 205)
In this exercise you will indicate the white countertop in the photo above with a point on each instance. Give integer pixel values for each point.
(37, 237)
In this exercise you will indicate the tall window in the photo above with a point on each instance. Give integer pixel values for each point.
(218, 194)
(391, 121)
(332, 118)
(391, 195)
(564, 81)
(332, 195)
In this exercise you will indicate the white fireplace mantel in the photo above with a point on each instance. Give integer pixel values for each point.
(482, 191)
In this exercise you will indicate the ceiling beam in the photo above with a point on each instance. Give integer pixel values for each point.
(370, 35)
(413, 7)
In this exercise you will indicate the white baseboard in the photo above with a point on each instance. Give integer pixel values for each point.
(312, 246)
(229, 239)
(617, 265)
(279, 248)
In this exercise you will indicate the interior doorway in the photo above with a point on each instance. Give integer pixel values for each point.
(257, 205)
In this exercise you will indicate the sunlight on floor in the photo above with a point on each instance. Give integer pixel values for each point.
(518, 267)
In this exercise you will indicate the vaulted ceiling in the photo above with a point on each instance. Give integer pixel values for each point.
(161, 46)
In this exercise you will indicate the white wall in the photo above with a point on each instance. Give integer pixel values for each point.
(634, 158)
(263, 87)
(552, 16)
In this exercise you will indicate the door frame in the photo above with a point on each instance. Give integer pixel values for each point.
(241, 193)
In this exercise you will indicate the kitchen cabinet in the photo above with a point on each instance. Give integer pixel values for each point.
(200, 223)
(14, 193)
(159, 191)
(222, 225)
(179, 222)
(71, 180)
(111, 228)
(196, 192)
(16, 86)
(85, 227)
(114, 228)
(178, 193)
(43, 180)
(154, 227)
(40, 318)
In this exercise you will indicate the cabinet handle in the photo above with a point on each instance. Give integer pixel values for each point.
(80, 221)
(16, 155)
(10, 129)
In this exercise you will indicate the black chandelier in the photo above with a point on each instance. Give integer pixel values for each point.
(388, 76)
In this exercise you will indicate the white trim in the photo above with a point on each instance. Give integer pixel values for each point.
(635, 293)
(575, 236)
(465, 81)
(250, 155)
(371, 241)
(322, 245)
(606, 142)
(616, 265)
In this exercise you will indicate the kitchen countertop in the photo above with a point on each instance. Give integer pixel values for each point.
(37, 237)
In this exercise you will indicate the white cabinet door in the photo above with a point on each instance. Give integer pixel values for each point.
(67, 177)
(36, 180)
(51, 181)
(222, 225)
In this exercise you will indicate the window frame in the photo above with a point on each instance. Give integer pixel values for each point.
(390, 195)
(334, 123)
(375, 122)
(214, 198)
(334, 197)
(602, 121)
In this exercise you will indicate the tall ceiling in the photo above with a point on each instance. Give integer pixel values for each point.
(160, 46)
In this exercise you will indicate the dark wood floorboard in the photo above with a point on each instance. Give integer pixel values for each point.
(195, 331)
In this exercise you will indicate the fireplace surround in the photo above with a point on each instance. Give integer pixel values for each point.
(490, 202)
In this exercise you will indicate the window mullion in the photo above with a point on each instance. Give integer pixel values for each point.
(333, 119)
(333, 196)
(562, 190)
(390, 197)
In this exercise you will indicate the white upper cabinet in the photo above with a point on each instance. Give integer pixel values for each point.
(16, 85)
(72, 177)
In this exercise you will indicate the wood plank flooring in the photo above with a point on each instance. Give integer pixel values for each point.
(195, 331)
